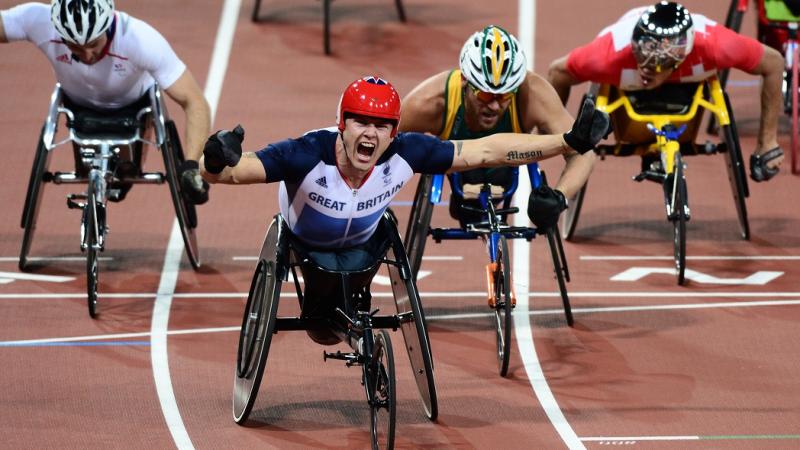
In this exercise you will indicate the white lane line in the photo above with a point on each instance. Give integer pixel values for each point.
(424, 258)
(172, 259)
(472, 294)
(11, 276)
(695, 258)
(53, 258)
(522, 329)
(431, 317)
(640, 438)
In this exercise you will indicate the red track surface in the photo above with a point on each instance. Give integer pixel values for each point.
(725, 372)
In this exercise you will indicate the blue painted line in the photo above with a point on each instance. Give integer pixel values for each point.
(78, 344)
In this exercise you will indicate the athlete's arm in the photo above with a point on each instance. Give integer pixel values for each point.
(540, 109)
(186, 92)
(505, 149)
(423, 107)
(249, 170)
(770, 67)
(562, 80)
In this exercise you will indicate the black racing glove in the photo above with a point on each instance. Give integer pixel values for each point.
(590, 127)
(544, 207)
(223, 149)
(193, 186)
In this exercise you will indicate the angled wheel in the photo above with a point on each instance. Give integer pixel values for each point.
(413, 326)
(382, 392)
(503, 305)
(92, 224)
(184, 211)
(418, 223)
(258, 325)
(678, 219)
(569, 220)
(795, 128)
(736, 173)
(561, 271)
(30, 211)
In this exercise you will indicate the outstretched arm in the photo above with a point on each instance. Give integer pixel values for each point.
(186, 92)
(770, 67)
(561, 79)
(223, 161)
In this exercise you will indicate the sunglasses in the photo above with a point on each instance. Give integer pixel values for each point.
(488, 97)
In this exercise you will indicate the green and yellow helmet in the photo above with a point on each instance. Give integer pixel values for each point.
(492, 61)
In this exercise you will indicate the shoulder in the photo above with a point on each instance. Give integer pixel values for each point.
(539, 105)
(29, 21)
(424, 106)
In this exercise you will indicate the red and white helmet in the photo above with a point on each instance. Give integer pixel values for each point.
(81, 21)
(371, 97)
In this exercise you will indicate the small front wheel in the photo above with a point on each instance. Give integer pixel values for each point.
(678, 219)
(382, 392)
(503, 306)
(92, 228)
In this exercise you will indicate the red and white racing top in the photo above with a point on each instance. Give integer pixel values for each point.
(608, 59)
(137, 56)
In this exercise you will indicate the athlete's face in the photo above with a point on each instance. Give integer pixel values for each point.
(89, 53)
(365, 140)
(483, 110)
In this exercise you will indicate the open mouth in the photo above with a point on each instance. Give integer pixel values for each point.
(364, 151)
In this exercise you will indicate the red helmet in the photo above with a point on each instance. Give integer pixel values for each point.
(371, 97)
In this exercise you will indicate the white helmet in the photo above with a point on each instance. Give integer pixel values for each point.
(81, 21)
(492, 61)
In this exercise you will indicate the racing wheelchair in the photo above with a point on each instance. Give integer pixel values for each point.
(480, 218)
(99, 140)
(778, 25)
(661, 125)
(337, 311)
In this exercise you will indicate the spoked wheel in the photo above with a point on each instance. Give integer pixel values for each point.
(185, 211)
(258, 325)
(569, 220)
(381, 392)
(678, 219)
(562, 273)
(736, 173)
(503, 307)
(412, 324)
(33, 198)
(795, 128)
(419, 223)
(92, 230)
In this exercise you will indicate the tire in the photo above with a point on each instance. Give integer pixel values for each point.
(569, 220)
(185, 212)
(258, 326)
(679, 221)
(383, 392)
(91, 228)
(559, 267)
(33, 197)
(503, 306)
(419, 223)
(736, 174)
(795, 128)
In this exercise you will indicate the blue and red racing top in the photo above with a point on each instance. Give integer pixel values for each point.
(316, 202)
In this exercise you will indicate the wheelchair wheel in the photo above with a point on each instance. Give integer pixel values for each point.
(415, 334)
(569, 220)
(185, 212)
(419, 223)
(679, 220)
(258, 325)
(503, 307)
(736, 173)
(562, 274)
(381, 384)
(91, 229)
(30, 211)
(795, 129)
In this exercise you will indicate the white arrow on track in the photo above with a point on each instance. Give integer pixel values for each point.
(636, 273)
(9, 277)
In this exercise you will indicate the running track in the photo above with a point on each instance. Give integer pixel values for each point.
(648, 364)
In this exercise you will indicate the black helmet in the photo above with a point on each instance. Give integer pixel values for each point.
(663, 36)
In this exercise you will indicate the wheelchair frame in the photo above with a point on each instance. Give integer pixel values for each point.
(371, 351)
(100, 149)
(494, 231)
(666, 133)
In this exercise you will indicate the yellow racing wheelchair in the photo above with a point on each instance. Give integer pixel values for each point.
(661, 126)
